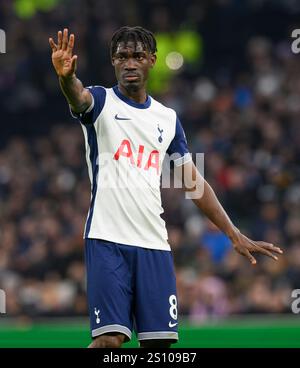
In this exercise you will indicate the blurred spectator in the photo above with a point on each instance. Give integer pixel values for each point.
(215, 242)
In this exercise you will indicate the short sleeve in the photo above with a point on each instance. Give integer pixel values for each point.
(90, 115)
(178, 147)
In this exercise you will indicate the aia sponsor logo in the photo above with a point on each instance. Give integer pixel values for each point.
(140, 159)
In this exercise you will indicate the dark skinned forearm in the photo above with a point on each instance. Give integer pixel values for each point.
(205, 199)
(209, 204)
(74, 92)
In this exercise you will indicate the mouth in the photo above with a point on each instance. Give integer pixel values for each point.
(131, 77)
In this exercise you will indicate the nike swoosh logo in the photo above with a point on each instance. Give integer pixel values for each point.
(172, 324)
(119, 118)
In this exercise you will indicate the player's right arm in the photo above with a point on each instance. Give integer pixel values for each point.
(64, 63)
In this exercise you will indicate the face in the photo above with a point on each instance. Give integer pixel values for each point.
(132, 63)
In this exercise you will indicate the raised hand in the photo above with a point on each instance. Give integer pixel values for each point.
(246, 247)
(62, 59)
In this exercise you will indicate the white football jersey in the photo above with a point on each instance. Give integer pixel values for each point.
(126, 143)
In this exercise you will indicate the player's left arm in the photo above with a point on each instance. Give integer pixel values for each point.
(206, 200)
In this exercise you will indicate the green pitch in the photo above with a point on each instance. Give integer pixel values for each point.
(275, 334)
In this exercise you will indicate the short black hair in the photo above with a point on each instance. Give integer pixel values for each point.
(135, 34)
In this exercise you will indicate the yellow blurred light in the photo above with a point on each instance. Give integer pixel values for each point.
(174, 60)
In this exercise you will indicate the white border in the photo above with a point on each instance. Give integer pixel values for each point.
(111, 328)
(158, 335)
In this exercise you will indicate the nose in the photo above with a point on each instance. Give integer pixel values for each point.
(130, 64)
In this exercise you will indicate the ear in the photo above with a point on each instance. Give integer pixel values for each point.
(152, 60)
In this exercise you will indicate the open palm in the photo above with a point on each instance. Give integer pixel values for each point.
(62, 59)
(245, 246)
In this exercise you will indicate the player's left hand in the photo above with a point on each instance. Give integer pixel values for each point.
(246, 247)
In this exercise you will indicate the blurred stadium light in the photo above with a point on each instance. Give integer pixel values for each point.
(174, 50)
(27, 8)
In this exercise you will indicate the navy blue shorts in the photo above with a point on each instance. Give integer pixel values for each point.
(131, 288)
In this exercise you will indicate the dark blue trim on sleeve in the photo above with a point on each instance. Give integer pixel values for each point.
(99, 96)
(179, 143)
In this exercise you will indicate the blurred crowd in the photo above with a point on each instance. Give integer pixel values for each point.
(240, 106)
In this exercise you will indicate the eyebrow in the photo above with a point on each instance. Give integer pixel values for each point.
(125, 53)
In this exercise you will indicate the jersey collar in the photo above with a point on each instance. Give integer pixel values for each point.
(144, 105)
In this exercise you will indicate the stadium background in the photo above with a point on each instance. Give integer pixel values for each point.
(237, 94)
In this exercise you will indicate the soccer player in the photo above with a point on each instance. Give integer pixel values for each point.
(130, 273)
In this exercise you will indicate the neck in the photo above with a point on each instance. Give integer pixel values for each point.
(138, 95)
